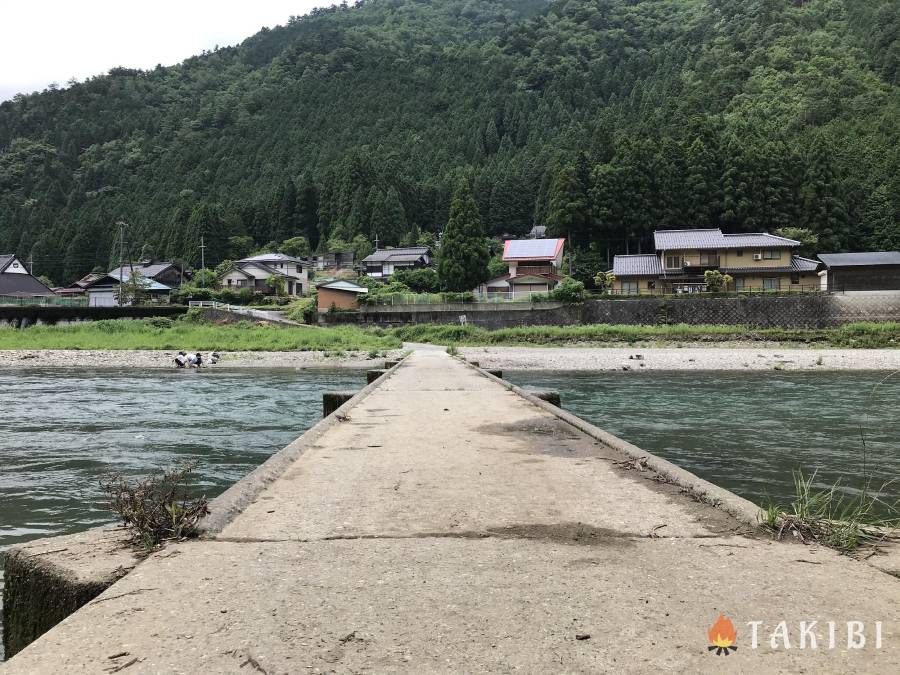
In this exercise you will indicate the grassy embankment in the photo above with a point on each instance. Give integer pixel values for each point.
(166, 334)
(857, 335)
(182, 334)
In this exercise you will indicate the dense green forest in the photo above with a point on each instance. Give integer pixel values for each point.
(603, 119)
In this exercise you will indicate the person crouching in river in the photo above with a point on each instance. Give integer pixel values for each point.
(195, 360)
(181, 360)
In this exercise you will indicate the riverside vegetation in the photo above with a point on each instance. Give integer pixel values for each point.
(196, 333)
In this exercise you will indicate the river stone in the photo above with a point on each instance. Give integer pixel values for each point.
(46, 580)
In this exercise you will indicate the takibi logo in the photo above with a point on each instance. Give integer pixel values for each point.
(722, 636)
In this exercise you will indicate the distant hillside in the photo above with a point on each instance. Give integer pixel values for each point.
(604, 119)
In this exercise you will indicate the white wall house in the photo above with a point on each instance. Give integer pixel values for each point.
(254, 273)
(533, 268)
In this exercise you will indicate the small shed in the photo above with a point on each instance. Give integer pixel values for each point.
(339, 294)
(869, 271)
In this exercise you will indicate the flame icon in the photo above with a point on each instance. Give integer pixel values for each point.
(722, 636)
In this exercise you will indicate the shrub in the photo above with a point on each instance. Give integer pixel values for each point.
(568, 291)
(195, 315)
(157, 508)
(423, 280)
(159, 322)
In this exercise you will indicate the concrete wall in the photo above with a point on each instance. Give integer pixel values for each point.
(790, 311)
(22, 317)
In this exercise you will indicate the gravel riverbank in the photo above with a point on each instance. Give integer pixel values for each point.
(148, 359)
(510, 358)
(688, 358)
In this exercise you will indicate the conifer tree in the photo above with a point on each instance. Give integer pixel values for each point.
(880, 226)
(463, 258)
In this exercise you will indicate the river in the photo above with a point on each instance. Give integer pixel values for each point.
(748, 431)
(61, 430)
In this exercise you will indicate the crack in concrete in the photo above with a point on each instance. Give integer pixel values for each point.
(568, 533)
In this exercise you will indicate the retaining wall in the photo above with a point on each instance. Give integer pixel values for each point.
(788, 311)
(24, 316)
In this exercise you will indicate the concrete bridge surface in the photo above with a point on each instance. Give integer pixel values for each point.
(444, 523)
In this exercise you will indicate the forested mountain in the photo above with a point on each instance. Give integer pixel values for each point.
(604, 119)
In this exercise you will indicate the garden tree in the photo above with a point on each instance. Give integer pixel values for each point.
(133, 290)
(462, 262)
(603, 281)
(568, 291)
(423, 280)
(278, 284)
(880, 224)
(716, 281)
(497, 267)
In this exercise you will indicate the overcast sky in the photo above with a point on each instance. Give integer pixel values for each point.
(44, 41)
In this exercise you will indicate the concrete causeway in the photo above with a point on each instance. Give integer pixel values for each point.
(444, 523)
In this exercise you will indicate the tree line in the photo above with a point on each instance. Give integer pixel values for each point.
(601, 119)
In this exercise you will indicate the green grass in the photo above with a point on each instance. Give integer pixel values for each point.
(191, 333)
(830, 517)
(192, 336)
(858, 335)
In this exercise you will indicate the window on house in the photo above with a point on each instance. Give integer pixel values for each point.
(651, 285)
(771, 254)
(674, 262)
(708, 259)
(795, 278)
(772, 283)
(740, 283)
(739, 253)
(630, 288)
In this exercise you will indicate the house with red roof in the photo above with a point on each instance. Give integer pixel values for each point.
(534, 267)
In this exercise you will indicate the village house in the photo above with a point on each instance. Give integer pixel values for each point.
(255, 274)
(17, 282)
(859, 272)
(104, 291)
(339, 294)
(384, 262)
(760, 262)
(334, 261)
(534, 266)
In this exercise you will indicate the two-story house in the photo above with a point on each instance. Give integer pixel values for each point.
(534, 266)
(254, 273)
(384, 262)
(755, 261)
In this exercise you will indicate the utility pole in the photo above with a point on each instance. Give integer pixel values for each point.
(121, 225)
(202, 261)
(31, 263)
(376, 241)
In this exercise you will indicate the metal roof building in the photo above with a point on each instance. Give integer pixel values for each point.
(868, 271)
(681, 240)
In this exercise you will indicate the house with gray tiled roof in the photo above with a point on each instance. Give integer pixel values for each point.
(756, 261)
(385, 261)
(255, 273)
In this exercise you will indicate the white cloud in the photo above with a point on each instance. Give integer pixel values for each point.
(44, 41)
